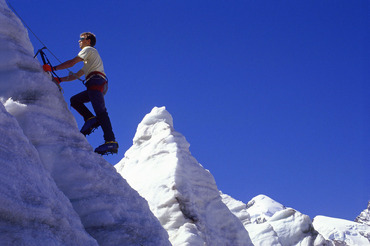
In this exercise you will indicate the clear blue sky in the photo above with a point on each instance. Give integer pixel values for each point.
(273, 96)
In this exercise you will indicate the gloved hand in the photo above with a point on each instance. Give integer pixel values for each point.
(72, 75)
(58, 80)
(47, 68)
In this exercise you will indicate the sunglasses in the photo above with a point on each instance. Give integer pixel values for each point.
(81, 39)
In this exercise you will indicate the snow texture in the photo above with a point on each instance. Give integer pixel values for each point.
(186, 199)
(272, 223)
(33, 211)
(364, 217)
(342, 232)
(54, 190)
(107, 207)
(262, 208)
(238, 208)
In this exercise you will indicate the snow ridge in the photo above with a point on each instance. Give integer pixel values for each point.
(187, 201)
(364, 217)
(262, 208)
(342, 232)
(108, 208)
(273, 224)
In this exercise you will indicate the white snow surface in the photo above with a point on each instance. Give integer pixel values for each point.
(261, 208)
(343, 232)
(238, 208)
(54, 187)
(271, 223)
(33, 211)
(54, 190)
(186, 199)
(364, 217)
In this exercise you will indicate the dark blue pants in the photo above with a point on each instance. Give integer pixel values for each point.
(96, 89)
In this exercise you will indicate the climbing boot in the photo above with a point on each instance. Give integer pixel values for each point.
(90, 126)
(109, 147)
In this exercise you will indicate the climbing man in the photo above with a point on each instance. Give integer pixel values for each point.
(96, 83)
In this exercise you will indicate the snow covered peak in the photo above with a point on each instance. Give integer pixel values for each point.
(158, 117)
(262, 207)
(364, 217)
(158, 114)
(181, 193)
(273, 224)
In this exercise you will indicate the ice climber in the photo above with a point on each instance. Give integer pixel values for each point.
(96, 83)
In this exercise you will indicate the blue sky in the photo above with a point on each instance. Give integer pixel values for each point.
(273, 96)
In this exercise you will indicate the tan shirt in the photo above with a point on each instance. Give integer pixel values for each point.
(92, 60)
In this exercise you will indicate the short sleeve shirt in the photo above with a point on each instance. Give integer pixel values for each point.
(92, 60)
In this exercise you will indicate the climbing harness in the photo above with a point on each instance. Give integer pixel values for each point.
(100, 87)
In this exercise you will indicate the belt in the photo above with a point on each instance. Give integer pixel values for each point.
(96, 73)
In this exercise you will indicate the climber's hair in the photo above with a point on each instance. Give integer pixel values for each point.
(90, 36)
